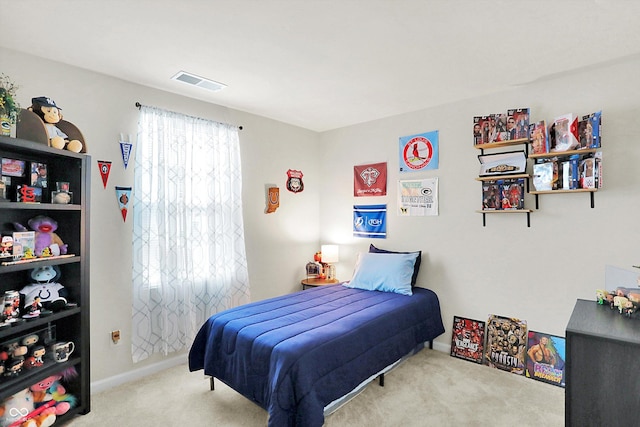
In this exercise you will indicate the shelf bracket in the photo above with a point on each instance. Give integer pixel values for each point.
(484, 219)
(592, 200)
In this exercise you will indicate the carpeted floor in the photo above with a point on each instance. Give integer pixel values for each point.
(430, 388)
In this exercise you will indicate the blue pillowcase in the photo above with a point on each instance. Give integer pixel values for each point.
(416, 266)
(384, 272)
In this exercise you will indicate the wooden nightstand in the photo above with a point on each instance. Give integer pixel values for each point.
(314, 281)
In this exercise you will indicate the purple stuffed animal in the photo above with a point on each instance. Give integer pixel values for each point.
(47, 242)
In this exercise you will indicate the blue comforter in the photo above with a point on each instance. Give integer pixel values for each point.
(297, 353)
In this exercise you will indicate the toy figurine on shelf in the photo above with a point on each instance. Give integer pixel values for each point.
(6, 246)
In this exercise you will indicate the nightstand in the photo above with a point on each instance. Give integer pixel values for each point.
(312, 282)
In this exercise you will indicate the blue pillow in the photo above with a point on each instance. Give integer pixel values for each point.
(416, 266)
(384, 272)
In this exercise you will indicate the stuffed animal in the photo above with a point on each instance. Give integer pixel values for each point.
(19, 410)
(46, 237)
(51, 393)
(51, 114)
(53, 296)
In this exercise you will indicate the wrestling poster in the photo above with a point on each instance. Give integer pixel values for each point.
(506, 344)
(545, 358)
(418, 197)
(467, 339)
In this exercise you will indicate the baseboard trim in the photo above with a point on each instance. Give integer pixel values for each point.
(136, 374)
(441, 347)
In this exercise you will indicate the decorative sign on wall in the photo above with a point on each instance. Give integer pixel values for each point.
(419, 152)
(294, 181)
(104, 167)
(418, 197)
(125, 148)
(370, 221)
(370, 180)
(123, 195)
(273, 199)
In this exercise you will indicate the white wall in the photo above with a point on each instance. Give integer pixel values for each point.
(278, 244)
(505, 268)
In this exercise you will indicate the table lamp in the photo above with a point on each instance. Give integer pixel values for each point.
(330, 255)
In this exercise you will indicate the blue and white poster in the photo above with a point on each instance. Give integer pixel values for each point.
(419, 152)
(370, 221)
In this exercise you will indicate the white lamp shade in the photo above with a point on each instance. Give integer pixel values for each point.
(330, 253)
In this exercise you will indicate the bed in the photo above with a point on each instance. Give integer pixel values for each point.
(295, 354)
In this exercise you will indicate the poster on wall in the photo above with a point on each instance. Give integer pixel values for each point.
(506, 344)
(370, 180)
(545, 358)
(419, 152)
(418, 197)
(370, 221)
(467, 339)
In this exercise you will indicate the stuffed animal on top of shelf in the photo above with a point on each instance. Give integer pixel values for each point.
(51, 114)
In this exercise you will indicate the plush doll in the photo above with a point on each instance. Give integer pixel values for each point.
(51, 114)
(46, 237)
(51, 393)
(19, 410)
(53, 296)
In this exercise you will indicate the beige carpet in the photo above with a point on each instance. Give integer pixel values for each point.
(431, 388)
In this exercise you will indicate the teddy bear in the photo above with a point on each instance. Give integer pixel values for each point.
(51, 114)
(47, 241)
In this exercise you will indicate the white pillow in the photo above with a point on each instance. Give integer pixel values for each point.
(384, 272)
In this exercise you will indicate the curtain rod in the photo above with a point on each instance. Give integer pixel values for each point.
(138, 106)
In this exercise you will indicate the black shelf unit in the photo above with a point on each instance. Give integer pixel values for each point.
(71, 324)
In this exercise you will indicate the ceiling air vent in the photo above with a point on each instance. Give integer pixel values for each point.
(194, 80)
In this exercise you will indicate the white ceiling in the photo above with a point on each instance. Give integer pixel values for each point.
(325, 64)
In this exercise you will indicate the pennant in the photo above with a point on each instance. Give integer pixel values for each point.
(370, 221)
(123, 194)
(370, 180)
(125, 148)
(105, 168)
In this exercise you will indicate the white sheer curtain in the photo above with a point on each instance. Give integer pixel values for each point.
(189, 257)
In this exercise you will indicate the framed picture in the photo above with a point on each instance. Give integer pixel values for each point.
(467, 339)
(506, 344)
(38, 175)
(313, 269)
(546, 358)
(27, 194)
(13, 167)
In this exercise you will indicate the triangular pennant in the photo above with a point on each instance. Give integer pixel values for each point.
(124, 195)
(125, 148)
(105, 168)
